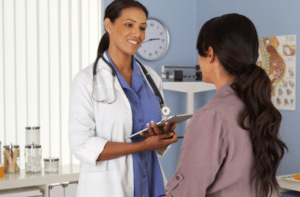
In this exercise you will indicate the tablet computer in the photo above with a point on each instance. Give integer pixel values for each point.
(176, 118)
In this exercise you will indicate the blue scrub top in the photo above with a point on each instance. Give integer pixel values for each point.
(145, 107)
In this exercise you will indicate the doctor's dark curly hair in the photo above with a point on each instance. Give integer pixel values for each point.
(113, 11)
(234, 40)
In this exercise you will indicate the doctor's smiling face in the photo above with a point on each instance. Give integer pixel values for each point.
(127, 33)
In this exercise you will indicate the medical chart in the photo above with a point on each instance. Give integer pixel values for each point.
(277, 56)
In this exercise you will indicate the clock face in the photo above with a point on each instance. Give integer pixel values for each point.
(156, 42)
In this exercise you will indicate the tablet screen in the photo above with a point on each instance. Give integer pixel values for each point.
(175, 118)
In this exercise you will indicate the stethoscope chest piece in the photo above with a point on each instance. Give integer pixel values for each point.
(165, 110)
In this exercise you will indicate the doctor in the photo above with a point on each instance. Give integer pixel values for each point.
(116, 101)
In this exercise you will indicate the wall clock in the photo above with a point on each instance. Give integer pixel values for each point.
(156, 42)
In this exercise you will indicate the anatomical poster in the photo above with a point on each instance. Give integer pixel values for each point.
(277, 56)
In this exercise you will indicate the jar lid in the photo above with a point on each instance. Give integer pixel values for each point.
(51, 159)
(8, 147)
(33, 146)
(32, 128)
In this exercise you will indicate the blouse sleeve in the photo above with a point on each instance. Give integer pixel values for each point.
(83, 142)
(202, 153)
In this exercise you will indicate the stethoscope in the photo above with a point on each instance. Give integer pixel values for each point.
(164, 108)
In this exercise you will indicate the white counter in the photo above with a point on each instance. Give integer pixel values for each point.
(295, 186)
(23, 181)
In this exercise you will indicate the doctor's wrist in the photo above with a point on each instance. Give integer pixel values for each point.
(142, 146)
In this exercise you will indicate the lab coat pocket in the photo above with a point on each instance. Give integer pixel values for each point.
(106, 184)
(174, 182)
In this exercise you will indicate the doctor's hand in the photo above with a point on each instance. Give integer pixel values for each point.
(157, 142)
(155, 130)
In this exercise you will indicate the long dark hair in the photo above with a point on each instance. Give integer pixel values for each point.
(113, 11)
(234, 40)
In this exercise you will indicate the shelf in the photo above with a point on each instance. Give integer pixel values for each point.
(288, 185)
(190, 88)
(197, 86)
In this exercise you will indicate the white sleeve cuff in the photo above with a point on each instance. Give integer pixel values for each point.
(91, 149)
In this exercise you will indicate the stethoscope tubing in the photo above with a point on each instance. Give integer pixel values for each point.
(152, 83)
(148, 77)
(96, 63)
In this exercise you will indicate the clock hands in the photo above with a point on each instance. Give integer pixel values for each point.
(151, 39)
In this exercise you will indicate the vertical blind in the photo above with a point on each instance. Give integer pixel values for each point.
(44, 44)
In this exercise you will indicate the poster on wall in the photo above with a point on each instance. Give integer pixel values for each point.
(277, 56)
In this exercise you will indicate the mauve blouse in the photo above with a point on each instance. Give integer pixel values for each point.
(216, 154)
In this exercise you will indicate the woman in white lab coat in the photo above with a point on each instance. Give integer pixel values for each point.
(106, 109)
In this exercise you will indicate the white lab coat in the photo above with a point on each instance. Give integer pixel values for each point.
(92, 124)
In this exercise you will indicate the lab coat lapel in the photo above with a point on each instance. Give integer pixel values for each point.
(117, 84)
(102, 67)
(109, 84)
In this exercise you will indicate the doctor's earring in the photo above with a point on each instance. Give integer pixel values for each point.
(165, 110)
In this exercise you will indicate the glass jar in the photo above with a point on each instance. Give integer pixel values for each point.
(1, 165)
(1, 170)
(33, 157)
(0, 154)
(32, 135)
(11, 156)
(51, 165)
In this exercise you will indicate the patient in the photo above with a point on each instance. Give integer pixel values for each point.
(231, 146)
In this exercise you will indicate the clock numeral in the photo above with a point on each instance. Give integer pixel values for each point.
(150, 54)
(144, 51)
(151, 24)
(156, 52)
(160, 47)
(161, 33)
(162, 40)
(157, 27)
